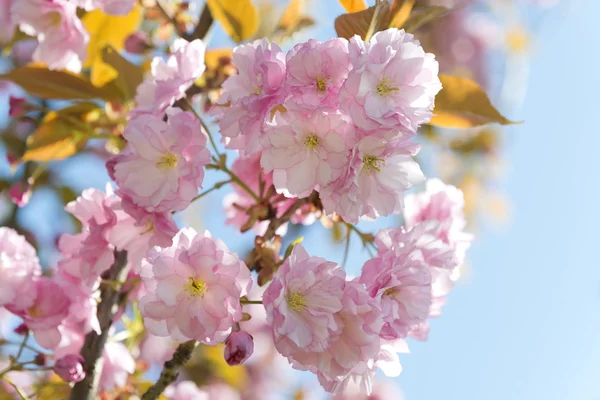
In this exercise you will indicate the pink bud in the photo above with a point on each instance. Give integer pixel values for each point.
(20, 193)
(70, 368)
(137, 43)
(40, 359)
(21, 329)
(239, 348)
(16, 106)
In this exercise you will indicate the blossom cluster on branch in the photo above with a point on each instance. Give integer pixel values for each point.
(324, 132)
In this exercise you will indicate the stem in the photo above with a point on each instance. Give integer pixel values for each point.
(277, 222)
(239, 182)
(218, 185)
(251, 302)
(379, 6)
(22, 346)
(170, 370)
(93, 347)
(189, 107)
(17, 389)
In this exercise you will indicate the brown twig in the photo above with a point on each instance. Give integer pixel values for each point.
(171, 369)
(93, 347)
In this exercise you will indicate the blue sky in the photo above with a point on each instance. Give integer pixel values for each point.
(526, 323)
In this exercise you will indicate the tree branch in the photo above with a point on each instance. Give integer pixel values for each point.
(171, 369)
(93, 347)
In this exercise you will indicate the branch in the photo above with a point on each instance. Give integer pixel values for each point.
(277, 222)
(170, 370)
(93, 347)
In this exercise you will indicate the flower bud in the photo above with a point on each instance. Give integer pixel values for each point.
(17, 106)
(137, 43)
(20, 194)
(21, 329)
(70, 368)
(239, 348)
(40, 360)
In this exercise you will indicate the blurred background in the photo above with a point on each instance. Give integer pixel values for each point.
(524, 320)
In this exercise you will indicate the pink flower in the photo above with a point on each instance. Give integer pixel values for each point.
(172, 78)
(379, 172)
(194, 288)
(249, 96)
(161, 168)
(239, 348)
(306, 153)
(441, 207)
(186, 390)
(401, 284)
(138, 230)
(301, 301)
(112, 7)
(316, 71)
(19, 267)
(393, 82)
(118, 366)
(88, 254)
(7, 23)
(49, 309)
(61, 35)
(351, 356)
(83, 296)
(70, 368)
(156, 349)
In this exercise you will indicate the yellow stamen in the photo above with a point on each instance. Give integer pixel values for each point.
(372, 163)
(296, 301)
(149, 227)
(195, 287)
(389, 292)
(321, 84)
(312, 141)
(385, 88)
(54, 18)
(257, 91)
(167, 161)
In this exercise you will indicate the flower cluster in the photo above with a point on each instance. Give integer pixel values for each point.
(61, 37)
(336, 117)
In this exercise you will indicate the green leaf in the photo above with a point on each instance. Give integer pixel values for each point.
(359, 23)
(463, 104)
(39, 81)
(239, 18)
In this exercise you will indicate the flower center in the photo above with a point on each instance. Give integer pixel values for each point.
(54, 18)
(34, 311)
(312, 141)
(384, 87)
(321, 84)
(372, 163)
(167, 161)
(195, 287)
(296, 301)
(149, 227)
(389, 292)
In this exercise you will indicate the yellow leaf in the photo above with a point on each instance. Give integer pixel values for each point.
(213, 57)
(353, 5)
(129, 75)
(60, 134)
(358, 23)
(239, 18)
(422, 15)
(402, 15)
(463, 104)
(107, 30)
(235, 376)
(39, 81)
